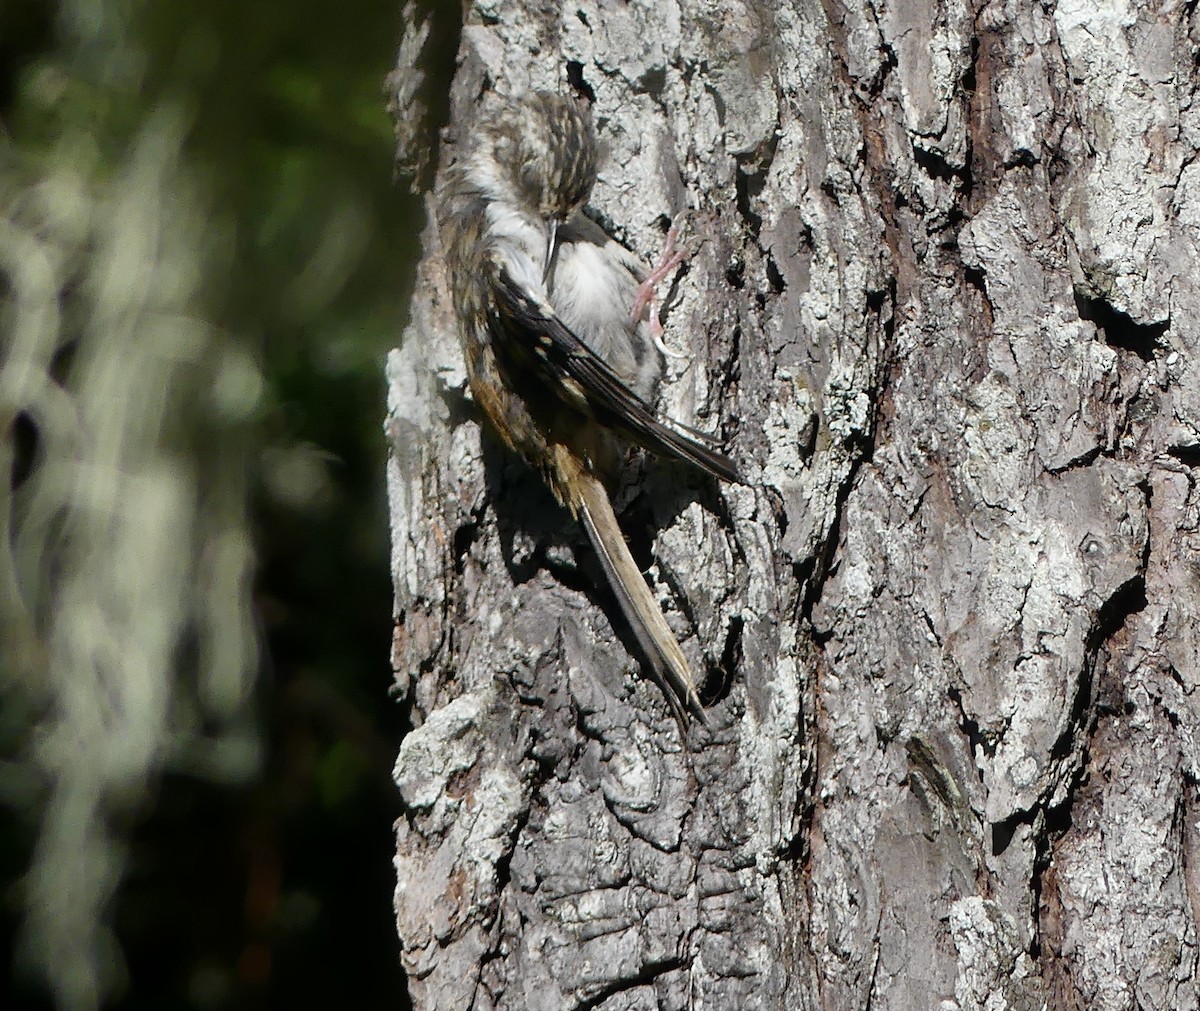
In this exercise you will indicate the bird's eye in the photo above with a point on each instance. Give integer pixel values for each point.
(533, 183)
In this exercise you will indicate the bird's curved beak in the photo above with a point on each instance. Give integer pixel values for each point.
(551, 238)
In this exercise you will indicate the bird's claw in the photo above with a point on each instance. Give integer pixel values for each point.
(647, 295)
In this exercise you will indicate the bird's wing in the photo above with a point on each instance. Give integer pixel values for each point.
(530, 333)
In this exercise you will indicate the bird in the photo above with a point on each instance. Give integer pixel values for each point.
(561, 358)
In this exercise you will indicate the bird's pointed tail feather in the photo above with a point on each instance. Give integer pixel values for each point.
(638, 604)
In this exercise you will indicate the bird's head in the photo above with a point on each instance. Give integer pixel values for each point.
(545, 150)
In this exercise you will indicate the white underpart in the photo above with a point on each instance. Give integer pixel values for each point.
(523, 242)
(594, 281)
(592, 294)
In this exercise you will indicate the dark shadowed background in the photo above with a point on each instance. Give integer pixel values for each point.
(203, 262)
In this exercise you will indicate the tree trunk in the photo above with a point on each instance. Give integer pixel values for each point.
(942, 307)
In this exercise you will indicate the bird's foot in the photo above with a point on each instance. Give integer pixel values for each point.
(646, 299)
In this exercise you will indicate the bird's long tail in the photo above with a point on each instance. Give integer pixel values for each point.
(638, 604)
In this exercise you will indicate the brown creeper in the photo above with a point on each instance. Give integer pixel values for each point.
(556, 361)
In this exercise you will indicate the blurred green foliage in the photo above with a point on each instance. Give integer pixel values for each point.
(208, 187)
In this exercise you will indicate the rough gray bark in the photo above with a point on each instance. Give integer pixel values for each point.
(943, 305)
